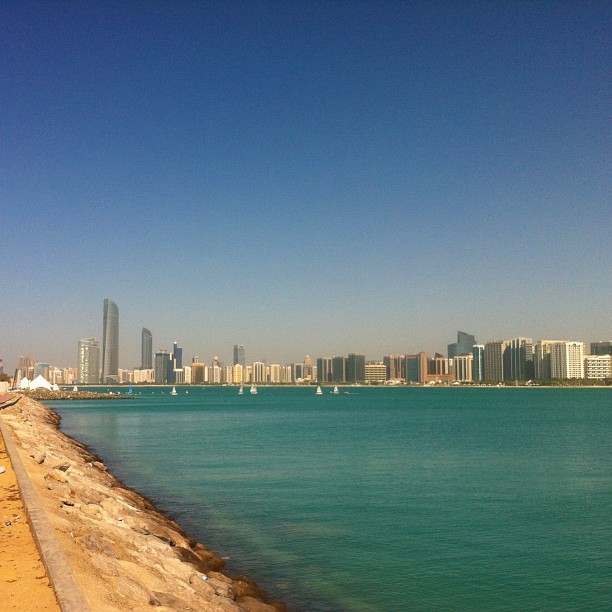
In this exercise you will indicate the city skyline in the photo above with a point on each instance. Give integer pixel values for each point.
(89, 353)
(305, 178)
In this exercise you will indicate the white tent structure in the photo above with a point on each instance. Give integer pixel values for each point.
(40, 383)
(24, 383)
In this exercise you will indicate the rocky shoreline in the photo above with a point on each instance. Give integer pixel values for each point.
(124, 552)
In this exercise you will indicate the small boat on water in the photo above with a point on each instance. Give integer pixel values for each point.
(253, 390)
(319, 390)
(75, 388)
(173, 392)
(335, 391)
(241, 390)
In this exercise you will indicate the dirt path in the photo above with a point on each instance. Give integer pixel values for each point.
(23, 581)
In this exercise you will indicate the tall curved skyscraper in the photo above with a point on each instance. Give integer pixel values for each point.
(110, 343)
(146, 361)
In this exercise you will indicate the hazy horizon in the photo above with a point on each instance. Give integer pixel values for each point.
(303, 178)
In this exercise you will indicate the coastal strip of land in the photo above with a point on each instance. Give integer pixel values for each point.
(122, 552)
(24, 583)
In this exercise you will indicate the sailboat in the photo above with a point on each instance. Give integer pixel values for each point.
(319, 390)
(335, 391)
(75, 388)
(130, 391)
(173, 392)
(254, 389)
(241, 390)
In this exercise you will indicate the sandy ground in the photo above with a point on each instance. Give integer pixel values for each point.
(23, 581)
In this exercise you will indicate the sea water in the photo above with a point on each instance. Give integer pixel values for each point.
(379, 499)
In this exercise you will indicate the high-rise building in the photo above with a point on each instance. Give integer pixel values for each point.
(259, 372)
(162, 363)
(567, 360)
(494, 361)
(239, 355)
(478, 369)
(324, 369)
(89, 361)
(463, 368)
(146, 359)
(463, 346)
(177, 355)
(355, 368)
(396, 367)
(601, 348)
(375, 372)
(110, 343)
(518, 359)
(339, 369)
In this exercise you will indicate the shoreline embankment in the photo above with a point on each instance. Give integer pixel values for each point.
(122, 551)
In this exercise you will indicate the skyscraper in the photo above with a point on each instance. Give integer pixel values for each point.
(146, 359)
(518, 359)
(177, 354)
(463, 346)
(355, 368)
(478, 370)
(110, 343)
(494, 360)
(239, 357)
(89, 361)
(162, 359)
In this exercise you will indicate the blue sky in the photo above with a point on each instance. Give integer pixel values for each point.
(303, 177)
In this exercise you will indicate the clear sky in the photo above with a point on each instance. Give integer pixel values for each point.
(303, 177)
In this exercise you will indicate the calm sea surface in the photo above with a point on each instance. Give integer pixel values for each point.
(384, 499)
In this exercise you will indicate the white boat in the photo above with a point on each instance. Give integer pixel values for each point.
(187, 392)
(75, 388)
(173, 392)
(335, 391)
(319, 391)
(241, 390)
(253, 389)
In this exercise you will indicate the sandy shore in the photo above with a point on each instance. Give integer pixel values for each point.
(123, 552)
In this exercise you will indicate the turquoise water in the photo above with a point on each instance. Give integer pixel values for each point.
(384, 499)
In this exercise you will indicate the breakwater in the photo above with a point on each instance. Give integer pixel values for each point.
(124, 553)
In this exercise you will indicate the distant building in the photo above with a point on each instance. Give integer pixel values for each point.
(567, 360)
(542, 359)
(518, 359)
(375, 372)
(177, 356)
(259, 372)
(89, 362)
(355, 368)
(338, 369)
(412, 368)
(42, 369)
(162, 361)
(197, 373)
(239, 355)
(601, 347)
(478, 363)
(395, 367)
(494, 361)
(463, 368)
(598, 366)
(463, 346)
(324, 369)
(110, 343)
(146, 352)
